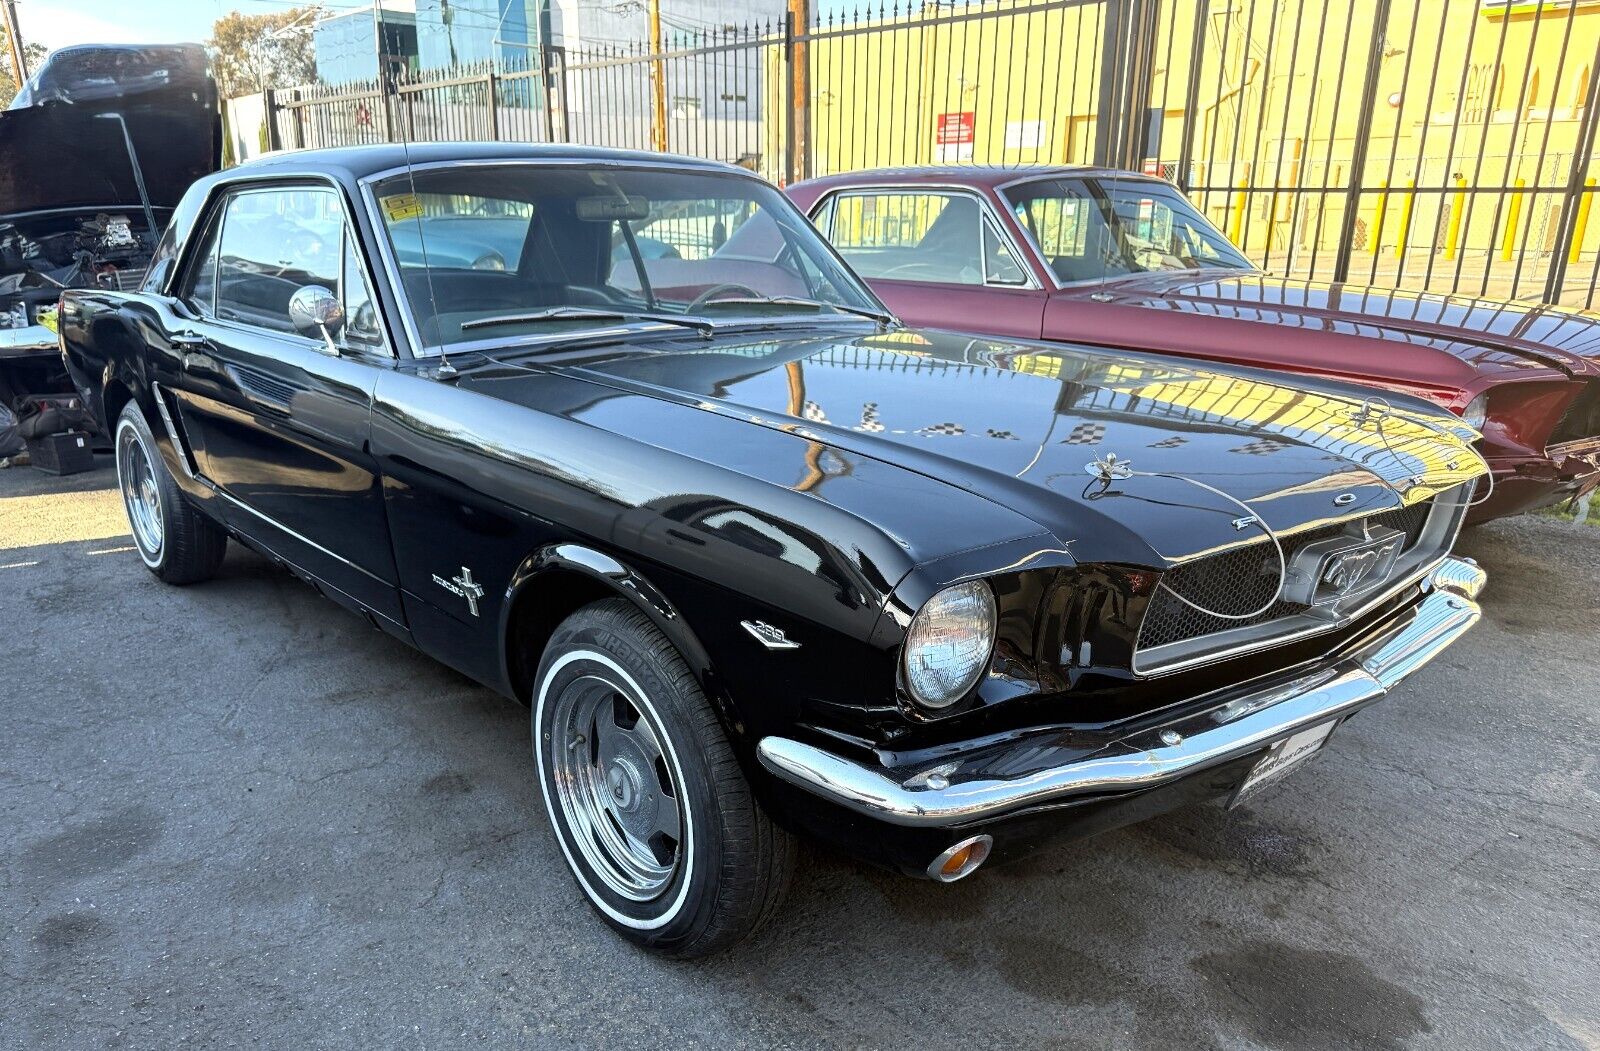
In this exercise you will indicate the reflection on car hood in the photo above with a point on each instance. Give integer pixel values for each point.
(1018, 424)
(1483, 334)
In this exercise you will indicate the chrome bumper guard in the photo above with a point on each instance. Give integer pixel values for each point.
(951, 793)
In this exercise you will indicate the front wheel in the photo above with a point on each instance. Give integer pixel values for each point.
(176, 542)
(645, 797)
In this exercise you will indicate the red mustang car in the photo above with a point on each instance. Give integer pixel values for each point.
(1121, 260)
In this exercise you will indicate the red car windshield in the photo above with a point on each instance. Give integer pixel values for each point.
(1093, 229)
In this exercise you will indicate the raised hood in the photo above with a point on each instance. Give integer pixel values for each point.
(60, 152)
(1018, 424)
(1418, 337)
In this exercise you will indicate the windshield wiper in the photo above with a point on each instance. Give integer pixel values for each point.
(800, 301)
(700, 325)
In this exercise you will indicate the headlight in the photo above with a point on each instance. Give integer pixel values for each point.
(1477, 411)
(489, 261)
(948, 645)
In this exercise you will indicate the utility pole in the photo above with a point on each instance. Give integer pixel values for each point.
(799, 24)
(658, 81)
(19, 61)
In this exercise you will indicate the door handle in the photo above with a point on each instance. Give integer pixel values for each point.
(187, 339)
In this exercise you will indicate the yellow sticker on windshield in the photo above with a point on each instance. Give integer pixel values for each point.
(47, 317)
(401, 206)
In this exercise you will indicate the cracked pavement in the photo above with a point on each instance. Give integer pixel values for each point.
(233, 815)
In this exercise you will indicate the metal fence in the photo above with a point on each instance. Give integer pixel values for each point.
(1439, 144)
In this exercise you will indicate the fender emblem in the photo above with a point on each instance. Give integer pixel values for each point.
(770, 637)
(463, 586)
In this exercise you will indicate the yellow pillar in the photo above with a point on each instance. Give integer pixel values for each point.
(1405, 219)
(1377, 222)
(1508, 246)
(1453, 239)
(1236, 226)
(1582, 225)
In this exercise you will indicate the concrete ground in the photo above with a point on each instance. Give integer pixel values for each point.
(233, 815)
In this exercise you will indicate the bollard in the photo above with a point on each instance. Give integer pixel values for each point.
(1453, 239)
(1508, 246)
(1582, 224)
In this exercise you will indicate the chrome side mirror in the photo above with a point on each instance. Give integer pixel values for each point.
(312, 310)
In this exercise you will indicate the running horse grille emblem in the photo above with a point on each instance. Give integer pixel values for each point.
(463, 586)
(1346, 573)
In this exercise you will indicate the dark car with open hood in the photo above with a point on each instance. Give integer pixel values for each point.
(95, 151)
(760, 560)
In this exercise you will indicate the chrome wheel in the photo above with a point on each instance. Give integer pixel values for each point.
(141, 495)
(614, 784)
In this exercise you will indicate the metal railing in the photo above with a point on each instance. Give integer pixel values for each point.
(1446, 145)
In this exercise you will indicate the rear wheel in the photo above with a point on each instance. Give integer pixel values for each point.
(176, 542)
(646, 799)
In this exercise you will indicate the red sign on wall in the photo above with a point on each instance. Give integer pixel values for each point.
(954, 129)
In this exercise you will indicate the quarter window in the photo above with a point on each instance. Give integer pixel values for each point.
(360, 312)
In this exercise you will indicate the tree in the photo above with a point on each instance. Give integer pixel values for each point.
(271, 50)
(33, 54)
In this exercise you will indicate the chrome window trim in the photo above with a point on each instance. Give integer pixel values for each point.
(218, 207)
(368, 183)
(1438, 536)
(936, 189)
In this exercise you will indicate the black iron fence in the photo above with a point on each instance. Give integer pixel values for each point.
(1439, 144)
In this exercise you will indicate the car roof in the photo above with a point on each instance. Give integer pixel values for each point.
(358, 162)
(976, 175)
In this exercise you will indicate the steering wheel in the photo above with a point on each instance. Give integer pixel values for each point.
(716, 290)
(299, 248)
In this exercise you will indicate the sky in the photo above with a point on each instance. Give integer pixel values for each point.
(55, 23)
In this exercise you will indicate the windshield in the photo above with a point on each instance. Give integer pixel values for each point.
(506, 251)
(1092, 229)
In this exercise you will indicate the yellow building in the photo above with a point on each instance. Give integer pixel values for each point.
(1476, 110)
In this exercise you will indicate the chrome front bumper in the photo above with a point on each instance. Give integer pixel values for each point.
(967, 790)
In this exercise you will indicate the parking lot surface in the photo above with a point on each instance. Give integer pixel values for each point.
(234, 815)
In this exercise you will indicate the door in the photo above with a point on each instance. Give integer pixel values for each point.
(937, 258)
(282, 417)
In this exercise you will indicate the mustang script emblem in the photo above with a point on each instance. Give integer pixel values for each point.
(463, 586)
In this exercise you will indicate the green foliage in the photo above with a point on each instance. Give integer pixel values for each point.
(34, 53)
(250, 53)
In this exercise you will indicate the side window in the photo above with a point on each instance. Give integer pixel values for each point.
(911, 236)
(275, 242)
(360, 311)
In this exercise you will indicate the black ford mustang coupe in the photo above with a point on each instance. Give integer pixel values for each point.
(620, 436)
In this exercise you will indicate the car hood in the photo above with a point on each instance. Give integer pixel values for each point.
(1019, 424)
(42, 148)
(1406, 335)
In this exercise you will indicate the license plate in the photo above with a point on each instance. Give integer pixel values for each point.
(1282, 759)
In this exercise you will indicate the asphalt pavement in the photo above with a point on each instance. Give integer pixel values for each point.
(232, 815)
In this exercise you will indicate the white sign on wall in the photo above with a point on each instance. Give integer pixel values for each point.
(1024, 134)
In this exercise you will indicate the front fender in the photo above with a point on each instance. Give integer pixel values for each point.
(611, 574)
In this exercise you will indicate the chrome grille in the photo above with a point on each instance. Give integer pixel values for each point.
(1240, 580)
